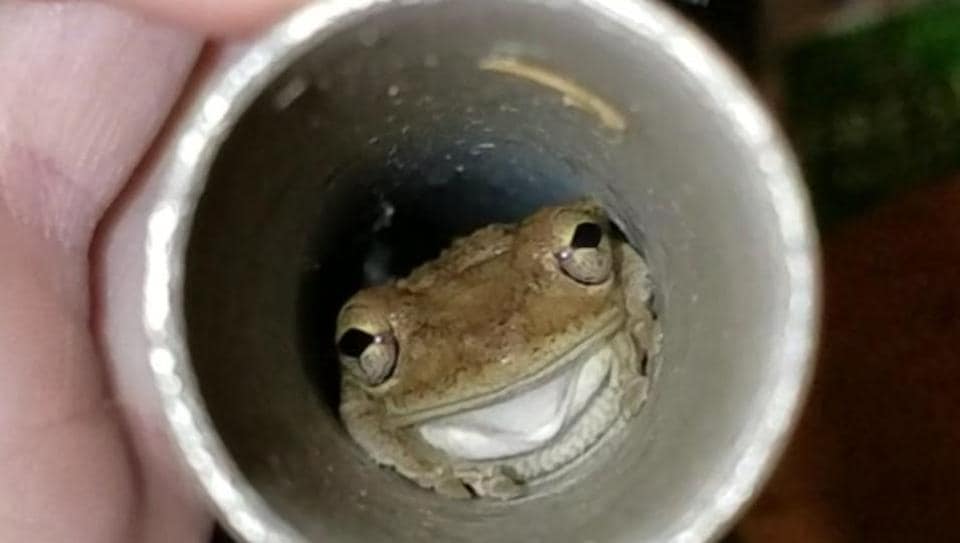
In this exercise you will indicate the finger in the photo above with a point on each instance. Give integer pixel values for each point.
(217, 17)
(85, 90)
(63, 465)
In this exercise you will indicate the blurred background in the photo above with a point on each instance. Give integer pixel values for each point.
(869, 93)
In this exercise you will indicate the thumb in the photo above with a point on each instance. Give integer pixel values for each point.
(214, 17)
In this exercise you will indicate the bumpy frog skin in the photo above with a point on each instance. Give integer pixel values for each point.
(502, 361)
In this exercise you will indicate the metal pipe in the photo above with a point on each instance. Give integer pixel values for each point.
(355, 138)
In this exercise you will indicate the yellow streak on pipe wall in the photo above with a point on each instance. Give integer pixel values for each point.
(573, 94)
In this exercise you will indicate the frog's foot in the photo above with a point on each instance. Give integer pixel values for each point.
(442, 481)
(634, 395)
(452, 487)
(490, 482)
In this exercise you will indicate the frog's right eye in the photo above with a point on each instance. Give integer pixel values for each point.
(368, 349)
(583, 246)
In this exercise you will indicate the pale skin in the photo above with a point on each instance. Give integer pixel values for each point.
(85, 89)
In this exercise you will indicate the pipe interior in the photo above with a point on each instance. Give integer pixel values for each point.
(383, 142)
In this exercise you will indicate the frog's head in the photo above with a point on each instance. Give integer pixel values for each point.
(510, 332)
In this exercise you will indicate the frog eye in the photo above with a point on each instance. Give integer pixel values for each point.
(367, 348)
(587, 235)
(586, 257)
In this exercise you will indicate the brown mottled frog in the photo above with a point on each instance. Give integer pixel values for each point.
(504, 359)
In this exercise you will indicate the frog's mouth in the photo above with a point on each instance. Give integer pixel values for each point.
(531, 418)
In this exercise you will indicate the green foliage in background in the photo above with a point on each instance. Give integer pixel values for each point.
(876, 109)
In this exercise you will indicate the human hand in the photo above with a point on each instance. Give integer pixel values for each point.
(84, 89)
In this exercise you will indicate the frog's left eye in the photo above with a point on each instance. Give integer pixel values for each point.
(586, 257)
(367, 347)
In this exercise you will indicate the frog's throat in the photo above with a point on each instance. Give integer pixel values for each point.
(611, 323)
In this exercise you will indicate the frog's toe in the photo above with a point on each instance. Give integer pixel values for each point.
(452, 487)
(503, 488)
(441, 480)
(493, 484)
(634, 396)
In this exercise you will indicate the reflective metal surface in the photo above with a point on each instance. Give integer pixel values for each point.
(355, 138)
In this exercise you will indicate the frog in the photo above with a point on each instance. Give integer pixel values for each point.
(504, 360)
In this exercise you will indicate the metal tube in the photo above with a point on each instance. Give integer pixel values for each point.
(354, 139)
